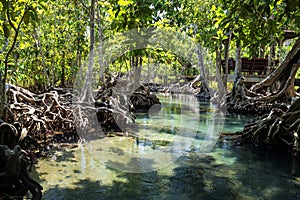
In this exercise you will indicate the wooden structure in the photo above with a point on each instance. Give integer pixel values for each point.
(254, 70)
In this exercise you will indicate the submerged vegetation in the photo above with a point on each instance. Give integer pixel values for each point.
(67, 67)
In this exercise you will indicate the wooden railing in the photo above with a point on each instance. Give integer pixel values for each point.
(254, 66)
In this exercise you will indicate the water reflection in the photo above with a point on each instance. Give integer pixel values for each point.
(227, 172)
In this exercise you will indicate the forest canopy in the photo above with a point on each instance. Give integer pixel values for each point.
(45, 42)
(49, 49)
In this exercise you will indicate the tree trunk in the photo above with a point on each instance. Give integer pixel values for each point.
(262, 51)
(100, 45)
(78, 52)
(3, 105)
(238, 63)
(259, 99)
(40, 51)
(62, 77)
(219, 97)
(201, 63)
(226, 55)
(87, 92)
(2, 96)
(53, 72)
(282, 71)
(138, 69)
(204, 93)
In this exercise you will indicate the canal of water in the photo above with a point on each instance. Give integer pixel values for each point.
(174, 154)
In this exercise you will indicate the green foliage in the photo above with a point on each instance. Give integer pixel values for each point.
(53, 38)
(259, 22)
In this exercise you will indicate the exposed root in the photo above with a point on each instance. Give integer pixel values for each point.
(276, 91)
(42, 116)
(277, 129)
(197, 87)
(57, 116)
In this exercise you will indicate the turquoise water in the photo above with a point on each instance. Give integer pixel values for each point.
(174, 154)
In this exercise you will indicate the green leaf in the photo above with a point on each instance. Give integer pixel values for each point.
(33, 15)
(6, 31)
(5, 5)
(117, 12)
(43, 6)
(124, 2)
(297, 20)
(213, 8)
(26, 17)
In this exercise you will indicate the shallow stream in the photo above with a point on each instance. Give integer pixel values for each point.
(174, 154)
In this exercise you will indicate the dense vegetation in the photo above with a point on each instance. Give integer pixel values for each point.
(46, 43)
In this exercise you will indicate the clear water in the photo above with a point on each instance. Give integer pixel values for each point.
(194, 165)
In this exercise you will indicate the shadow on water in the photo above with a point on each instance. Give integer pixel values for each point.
(261, 173)
(235, 174)
(227, 172)
(185, 183)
